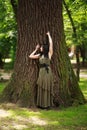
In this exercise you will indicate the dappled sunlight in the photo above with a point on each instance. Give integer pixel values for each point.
(83, 86)
(38, 121)
(13, 127)
(7, 60)
(33, 120)
(4, 113)
(85, 94)
(82, 75)
(18, 126)
(10, 120)
(20, 123)
(13, 117)
(83, 80)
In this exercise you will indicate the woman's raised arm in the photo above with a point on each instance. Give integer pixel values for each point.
(33, 55)
(50, 45)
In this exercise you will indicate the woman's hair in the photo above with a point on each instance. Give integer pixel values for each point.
(45, 47)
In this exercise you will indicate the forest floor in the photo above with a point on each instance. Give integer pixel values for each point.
(13, 117)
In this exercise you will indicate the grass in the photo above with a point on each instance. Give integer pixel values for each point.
(83, 86)
(73, 118)
(13, 117)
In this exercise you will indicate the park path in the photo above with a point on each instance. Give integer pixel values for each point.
(5, 75)
(83, 73)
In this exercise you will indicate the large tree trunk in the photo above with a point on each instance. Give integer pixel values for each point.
(35, 18)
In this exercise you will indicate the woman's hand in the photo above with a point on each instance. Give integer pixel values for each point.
(48, 33)
(37, 47)
(33, 55)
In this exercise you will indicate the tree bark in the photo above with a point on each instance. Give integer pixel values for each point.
(35, 18)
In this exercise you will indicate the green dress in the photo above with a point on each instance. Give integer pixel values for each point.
(45, 84)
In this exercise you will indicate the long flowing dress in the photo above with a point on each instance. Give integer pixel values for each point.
(45, 84)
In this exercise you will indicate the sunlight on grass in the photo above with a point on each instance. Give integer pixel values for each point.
(4, 113)
(68, 116)
(83, 86)
(38, 121)
(28, 116)
(24, 112)
(19, 127)
(24, 119)
(13, 117)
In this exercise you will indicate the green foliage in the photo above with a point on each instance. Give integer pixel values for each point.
(78, 10)
(8, 27)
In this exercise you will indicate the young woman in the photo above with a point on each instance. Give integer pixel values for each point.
(45, 79)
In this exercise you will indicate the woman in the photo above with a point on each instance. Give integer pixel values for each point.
(45, 79)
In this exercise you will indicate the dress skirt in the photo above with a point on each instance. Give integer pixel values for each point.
(45, 86)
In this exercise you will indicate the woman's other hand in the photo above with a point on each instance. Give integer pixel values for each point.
(48, 33)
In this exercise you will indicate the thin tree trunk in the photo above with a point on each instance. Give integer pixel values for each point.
(1, 62)
(75, 40)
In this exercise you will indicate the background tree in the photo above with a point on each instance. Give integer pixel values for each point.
(76, 11)
(34, 19)
(74, 40)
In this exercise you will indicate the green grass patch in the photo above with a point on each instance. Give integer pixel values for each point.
(13, 117)
(83, 86)
(72, 118)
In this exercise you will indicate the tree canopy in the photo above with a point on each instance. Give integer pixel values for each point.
(8, 29)
(78, 10)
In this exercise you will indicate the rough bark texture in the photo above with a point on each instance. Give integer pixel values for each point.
(35, 18)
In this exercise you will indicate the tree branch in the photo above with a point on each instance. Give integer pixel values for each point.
(75, 36)
(70, 17)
